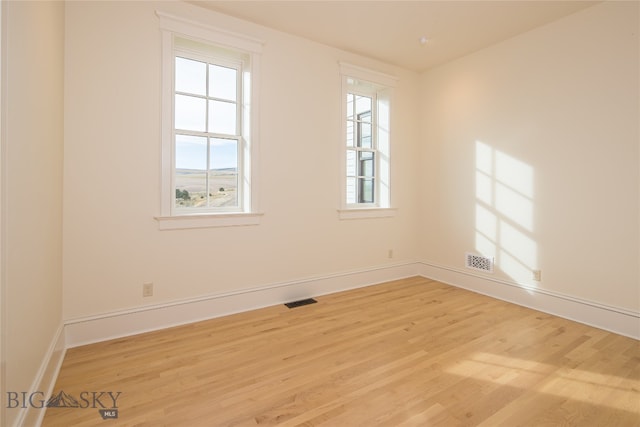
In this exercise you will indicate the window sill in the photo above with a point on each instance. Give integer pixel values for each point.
(360, 213)
(182, 222)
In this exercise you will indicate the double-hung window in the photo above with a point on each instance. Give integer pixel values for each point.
(362, 152)
(208, 144)
(209, 126)
(366, 142)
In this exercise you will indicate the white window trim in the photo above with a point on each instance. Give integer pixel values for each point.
(173, 26)
(383, 207)
(182, 222)
(359, 213)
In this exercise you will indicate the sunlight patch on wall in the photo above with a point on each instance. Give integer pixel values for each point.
(486, 230)
(518, 255)
(504, 212)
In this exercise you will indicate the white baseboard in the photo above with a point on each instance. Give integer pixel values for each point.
(123, 323)
(45, 379)
(614, 319)
(118, 324)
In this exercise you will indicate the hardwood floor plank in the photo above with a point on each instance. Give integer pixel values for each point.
(412, 352)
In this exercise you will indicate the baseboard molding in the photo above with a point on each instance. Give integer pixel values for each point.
(613, 319)
(123, 323)
(45, 379)
(117, 324)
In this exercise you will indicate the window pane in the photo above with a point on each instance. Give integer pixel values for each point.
(222, 82)
(349, 133)
(366, 162)
(363, 108)
(223, 172)
(365, 190)
(191, 76)
(351, 163)
(190, 113)
(351, 190)
(190, 171)
(364, 135)
(223, 154)
(222, 117)
(350, 106)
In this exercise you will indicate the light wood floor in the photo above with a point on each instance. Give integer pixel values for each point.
(412, 352)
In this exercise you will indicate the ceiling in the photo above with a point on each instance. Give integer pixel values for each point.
(390, 31)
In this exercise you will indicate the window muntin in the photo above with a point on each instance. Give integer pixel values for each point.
(208, 144)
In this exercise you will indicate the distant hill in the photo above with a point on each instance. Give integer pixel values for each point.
(221, 171)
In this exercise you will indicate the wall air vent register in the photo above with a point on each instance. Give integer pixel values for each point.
(479, 263)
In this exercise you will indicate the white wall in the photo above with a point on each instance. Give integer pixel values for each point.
(112, 157)
(557, 108)
(33, 52)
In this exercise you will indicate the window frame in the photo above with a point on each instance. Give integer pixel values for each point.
(247, 50)
(379, 87)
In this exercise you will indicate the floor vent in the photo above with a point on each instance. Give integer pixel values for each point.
(480, 263)
(302, 302)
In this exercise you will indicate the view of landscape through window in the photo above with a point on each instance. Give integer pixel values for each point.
(207, 140)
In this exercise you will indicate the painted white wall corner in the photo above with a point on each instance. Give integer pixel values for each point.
(44, 382)
(613, 319)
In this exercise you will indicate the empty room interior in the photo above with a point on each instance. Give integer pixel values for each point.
(447, 191)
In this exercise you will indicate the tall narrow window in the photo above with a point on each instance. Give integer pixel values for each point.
(208, 141)
(361, 149)
(209, 126)
(367, 144)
